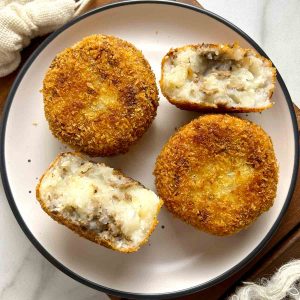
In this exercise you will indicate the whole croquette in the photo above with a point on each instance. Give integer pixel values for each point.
(218, 173)
(100, 95)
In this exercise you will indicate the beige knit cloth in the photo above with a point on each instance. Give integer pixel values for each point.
(284, 284)
(22, 20)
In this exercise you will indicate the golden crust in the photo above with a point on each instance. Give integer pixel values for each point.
(186, 105)
(82, 231)
(218, 173)
(100, 95)
(205, 107)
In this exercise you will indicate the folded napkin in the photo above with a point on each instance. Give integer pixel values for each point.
(22, 20)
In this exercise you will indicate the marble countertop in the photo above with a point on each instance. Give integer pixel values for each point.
(25, 274)
(275, 26)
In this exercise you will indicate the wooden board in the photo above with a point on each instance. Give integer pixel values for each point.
(284, 245)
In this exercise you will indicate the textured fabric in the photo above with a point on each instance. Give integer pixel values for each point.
(284, 284)
(22, 20)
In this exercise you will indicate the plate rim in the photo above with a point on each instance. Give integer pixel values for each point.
(61, 266)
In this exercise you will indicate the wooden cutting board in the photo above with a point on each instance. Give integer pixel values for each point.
(285, 243)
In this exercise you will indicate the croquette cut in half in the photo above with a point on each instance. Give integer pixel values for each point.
(218, 173)
(217, 77)
(98, 202)
(100, 95)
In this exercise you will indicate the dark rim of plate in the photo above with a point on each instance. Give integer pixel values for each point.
(59, 265)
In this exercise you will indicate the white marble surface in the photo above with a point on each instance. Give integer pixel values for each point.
(275, 26)
(25, 274)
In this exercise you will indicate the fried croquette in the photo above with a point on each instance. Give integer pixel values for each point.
(98, 202)
(217, 78)
(218, 173)
(100, 95)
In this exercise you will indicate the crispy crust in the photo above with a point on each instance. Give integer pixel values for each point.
(204, 107)
(90, 235)
(100, 95)
(192, 173)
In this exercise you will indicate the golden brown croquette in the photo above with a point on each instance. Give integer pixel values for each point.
(100, 95)
(218, 173)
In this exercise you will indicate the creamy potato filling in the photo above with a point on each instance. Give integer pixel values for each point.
(100, 199)
(232, 76)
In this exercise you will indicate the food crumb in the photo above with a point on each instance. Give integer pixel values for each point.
(156, 32)
(35, 123)
(162, 226)
(29, 160)
(29, 192)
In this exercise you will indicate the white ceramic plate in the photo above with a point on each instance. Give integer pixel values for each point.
(178, 259)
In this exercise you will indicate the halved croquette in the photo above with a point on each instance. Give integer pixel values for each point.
(217, 78)
(98, 202)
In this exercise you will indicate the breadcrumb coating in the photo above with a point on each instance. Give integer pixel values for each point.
(100, 95)
(218, 173)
